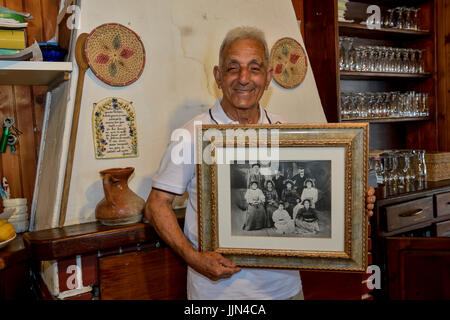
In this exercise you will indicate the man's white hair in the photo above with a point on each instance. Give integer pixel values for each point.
(244, 32)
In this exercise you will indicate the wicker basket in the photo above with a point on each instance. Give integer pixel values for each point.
(438, 165)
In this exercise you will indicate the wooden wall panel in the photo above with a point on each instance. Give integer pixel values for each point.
(298, 8)
(35, 30)
(443, 54)
(26, 104)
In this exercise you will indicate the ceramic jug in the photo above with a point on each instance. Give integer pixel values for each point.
(120, 205)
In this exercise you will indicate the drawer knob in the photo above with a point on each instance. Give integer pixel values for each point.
(411, 214)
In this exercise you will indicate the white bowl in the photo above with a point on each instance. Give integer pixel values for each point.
(5, 243)
(18, 218)
(14, 202)
(20, 226)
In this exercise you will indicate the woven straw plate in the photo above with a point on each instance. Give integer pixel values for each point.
(289, 62)
(115, 54)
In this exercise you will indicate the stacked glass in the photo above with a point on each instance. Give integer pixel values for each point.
(403, 18)
(383, 105)
(400, 168)
(365, 58)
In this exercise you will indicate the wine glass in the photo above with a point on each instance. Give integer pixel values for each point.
(420, 68)
(415, 15)
(400, 19)
(341, 53)
(364, 59)
(408, 20)
(379, 169)
(350, 64)
(405, 61)
(398, 60)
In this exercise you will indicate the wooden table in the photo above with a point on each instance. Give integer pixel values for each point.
(14, 270)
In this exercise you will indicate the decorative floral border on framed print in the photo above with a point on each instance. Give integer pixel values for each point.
(317, 225)
(114, 129)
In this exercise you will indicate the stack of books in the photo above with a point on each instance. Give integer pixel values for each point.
(13, 36)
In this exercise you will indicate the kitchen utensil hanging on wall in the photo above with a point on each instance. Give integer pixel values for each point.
(116, 55)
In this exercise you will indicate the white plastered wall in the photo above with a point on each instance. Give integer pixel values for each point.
(182, 40)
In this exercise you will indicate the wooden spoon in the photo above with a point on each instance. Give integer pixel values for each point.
(82, 68)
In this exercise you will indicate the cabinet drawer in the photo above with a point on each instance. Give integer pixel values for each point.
(443, 204)
(408, 213)
(443, 229)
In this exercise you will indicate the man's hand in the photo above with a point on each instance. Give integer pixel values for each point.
(213, 265)
(370, 200)
(159, 212)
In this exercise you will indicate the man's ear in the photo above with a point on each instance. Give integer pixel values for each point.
(269, 76)
(217, 76)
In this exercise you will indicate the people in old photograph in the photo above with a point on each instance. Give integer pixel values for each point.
(293, 199)
(310, 192)
(255, 175)
(306, 219)
(272, 200)
(289, 196)
(283, 222)
(255, 216)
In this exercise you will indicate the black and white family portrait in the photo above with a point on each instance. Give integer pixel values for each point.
(293, 200)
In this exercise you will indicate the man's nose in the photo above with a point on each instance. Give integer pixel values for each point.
(244, 76)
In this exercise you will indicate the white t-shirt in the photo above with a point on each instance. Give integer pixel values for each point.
(249, 283)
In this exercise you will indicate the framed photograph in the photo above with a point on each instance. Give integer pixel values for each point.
(285, 195)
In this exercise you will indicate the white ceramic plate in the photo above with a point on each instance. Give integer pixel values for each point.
(5, 243)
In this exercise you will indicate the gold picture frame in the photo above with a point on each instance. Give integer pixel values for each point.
(337, 158)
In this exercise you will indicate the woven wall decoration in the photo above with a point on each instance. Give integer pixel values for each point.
(289, 62)
(115, 54)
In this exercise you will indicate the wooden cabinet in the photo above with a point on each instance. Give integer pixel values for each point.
(322, 32)
(156, 274)
(418, 268)
(114, 262)
(411, 243)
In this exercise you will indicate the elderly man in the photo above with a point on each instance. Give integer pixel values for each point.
(243, 75)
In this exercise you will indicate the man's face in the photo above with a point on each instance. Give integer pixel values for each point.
(301, 172)
(244, 75)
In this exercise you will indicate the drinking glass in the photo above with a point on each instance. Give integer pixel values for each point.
(358, 62)
(341, 53)
(420, 68)
(372, 58)
(408, 18)
(405, 68)
(413, 60)
(424, 104)
(415, 23)
(398, 60)
(364, 59)
(379, 169)
(400, 22)
(395, 96)
(350, 63)
(363, 106)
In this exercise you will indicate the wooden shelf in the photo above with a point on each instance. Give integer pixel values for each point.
(388, 120)
(361, 30)
(33, 72)
(58, 243)
(355, 75)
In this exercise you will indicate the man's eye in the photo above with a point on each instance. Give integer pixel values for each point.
(231, 69)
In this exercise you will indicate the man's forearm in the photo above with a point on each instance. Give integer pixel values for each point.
(161, 215)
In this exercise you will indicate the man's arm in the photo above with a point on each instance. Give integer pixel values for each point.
(158, 210)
